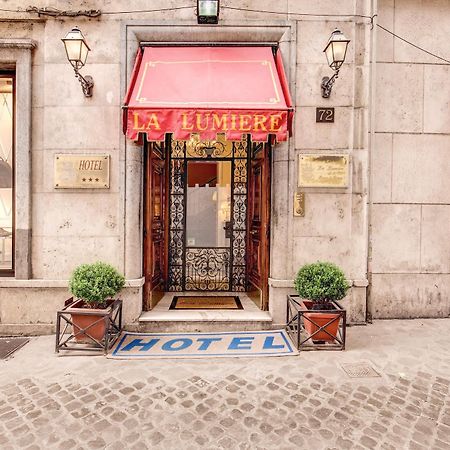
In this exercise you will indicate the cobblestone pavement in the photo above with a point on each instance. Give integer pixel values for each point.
(306, 401)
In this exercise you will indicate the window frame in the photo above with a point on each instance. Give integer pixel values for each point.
(11, 272)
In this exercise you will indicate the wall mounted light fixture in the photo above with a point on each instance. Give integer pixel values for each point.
(208, 11)
(77, 51)
(335, 51)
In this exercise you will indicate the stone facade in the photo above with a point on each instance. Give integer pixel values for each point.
(387, 230)
(410, 215)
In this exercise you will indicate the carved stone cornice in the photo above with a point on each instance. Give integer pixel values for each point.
(17, 43)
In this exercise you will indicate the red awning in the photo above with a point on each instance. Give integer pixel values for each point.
(208, 90)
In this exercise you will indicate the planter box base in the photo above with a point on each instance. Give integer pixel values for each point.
(88, 329)
(315, 330)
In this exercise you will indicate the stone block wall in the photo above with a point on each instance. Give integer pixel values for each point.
(334, 227)
(411, 183)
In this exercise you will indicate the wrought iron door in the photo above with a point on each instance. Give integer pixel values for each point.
(203, 268)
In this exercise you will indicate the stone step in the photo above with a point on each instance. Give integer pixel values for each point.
(149, 326)
(164, 320)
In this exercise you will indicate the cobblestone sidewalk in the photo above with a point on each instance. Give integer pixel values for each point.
(307, 401)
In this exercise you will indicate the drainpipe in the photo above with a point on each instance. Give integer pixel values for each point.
(372, 97)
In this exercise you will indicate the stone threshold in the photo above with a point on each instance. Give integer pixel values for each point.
(162, 313)
(200, 315)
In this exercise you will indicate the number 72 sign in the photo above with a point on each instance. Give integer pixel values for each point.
(325, 115)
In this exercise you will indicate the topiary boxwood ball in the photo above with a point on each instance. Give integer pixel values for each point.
(321, 282)
(95, 283)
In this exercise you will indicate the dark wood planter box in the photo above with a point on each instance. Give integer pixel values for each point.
(79, 328)
(315, 330)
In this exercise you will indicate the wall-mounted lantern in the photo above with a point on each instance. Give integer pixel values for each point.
(208, 11)
(77, 51)
(335, 52)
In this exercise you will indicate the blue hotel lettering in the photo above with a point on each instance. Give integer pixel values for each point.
(174, 345)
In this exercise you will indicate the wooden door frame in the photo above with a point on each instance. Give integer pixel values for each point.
(167, 150)
(267, 192)
(265, 220)
(151, 293)
(265, 223)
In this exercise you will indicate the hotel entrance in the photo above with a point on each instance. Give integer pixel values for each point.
(207, 117)
(207, 218)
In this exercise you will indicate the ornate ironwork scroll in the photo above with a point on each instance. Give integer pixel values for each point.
(200, 268)
(240, 148)
(177, 149)
(207, 269)
(217, 148)
(239, 216)
(176, 224)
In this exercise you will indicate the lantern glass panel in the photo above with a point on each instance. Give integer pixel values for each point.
(84, 50)
(329, 54)
(339, 49)
(73, 50)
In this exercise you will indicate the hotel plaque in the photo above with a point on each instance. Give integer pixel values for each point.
(322, 170)
(81, 171)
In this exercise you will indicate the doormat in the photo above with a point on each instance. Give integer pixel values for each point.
(202, 345)
(206, 302)
(9, 345)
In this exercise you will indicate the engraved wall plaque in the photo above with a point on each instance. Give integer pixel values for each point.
(322, 170)
(81, 171)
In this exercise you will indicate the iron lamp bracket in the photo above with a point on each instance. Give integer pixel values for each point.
(327, 84)
(87, 83)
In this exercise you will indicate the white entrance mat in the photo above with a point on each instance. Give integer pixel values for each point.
(202, 345)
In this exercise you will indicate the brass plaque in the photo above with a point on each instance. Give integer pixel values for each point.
(81, 171)
(299, 204)
(321, 170)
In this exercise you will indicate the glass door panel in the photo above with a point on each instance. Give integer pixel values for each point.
(208, 204)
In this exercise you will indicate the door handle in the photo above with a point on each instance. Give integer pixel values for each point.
(253, 232)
